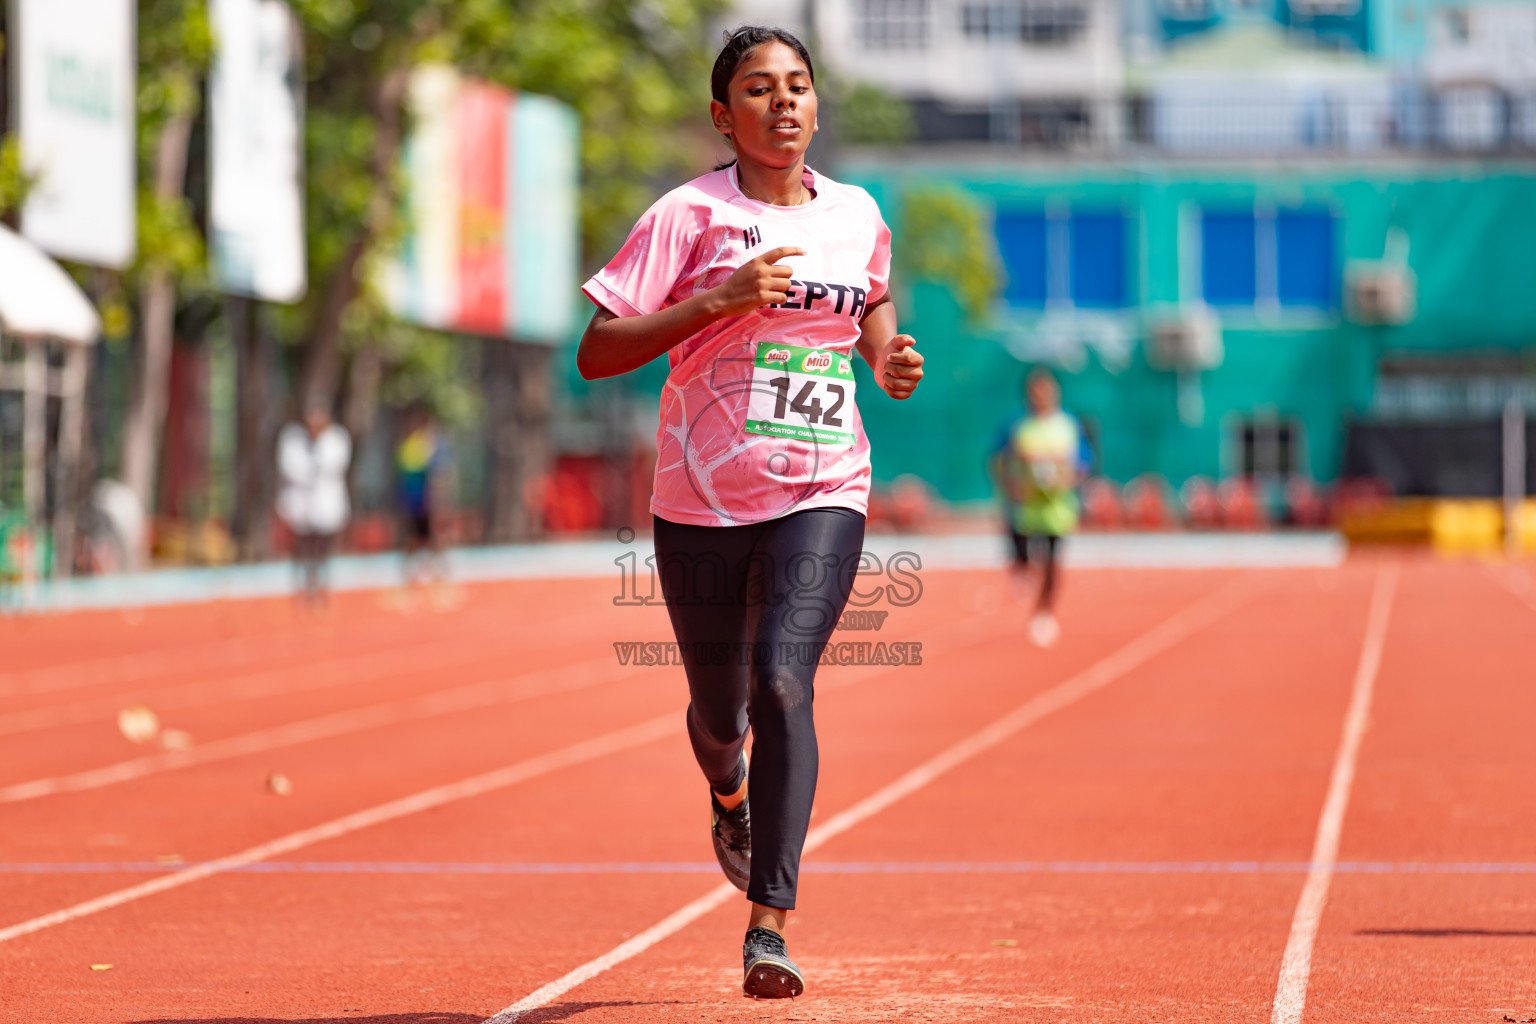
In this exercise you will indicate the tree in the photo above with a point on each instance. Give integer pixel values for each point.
(620, 64)
(175, 46)
(636, 72)
(945, 239)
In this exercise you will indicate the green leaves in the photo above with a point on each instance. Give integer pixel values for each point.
(874, 116)
(169, 238)
(14, 183)
(946, 239)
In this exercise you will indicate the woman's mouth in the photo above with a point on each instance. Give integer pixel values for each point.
(784, 126)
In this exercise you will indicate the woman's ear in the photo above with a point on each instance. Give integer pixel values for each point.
(720, 115)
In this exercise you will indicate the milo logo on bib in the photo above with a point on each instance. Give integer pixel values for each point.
(801, 393)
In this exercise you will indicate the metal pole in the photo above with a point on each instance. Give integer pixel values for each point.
(71, 445)
(1514, 473)
(34, 427)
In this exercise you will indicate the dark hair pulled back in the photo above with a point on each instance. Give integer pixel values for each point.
(740, 44)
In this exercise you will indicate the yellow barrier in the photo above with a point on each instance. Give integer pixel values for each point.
(1452, 526)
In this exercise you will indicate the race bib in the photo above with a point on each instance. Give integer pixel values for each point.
(802, 393)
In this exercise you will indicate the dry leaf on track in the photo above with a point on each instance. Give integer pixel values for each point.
(138, 724)
(176, 739)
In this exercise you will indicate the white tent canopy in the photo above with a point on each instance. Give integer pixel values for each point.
(38, 299)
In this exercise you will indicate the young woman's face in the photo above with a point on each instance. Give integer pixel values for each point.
(1044, 394)
(771, 110)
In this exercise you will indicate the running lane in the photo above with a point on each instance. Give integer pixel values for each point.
(295, 945)
(1131, 857)
(1438, 921)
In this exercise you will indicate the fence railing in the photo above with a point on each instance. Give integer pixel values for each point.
(1181, 120)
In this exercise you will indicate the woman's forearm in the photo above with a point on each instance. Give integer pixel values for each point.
(614, 344)
(617, 344)
(898, 367)
(875, 333)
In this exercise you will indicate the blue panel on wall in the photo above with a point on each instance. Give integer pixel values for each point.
(1228, 258)
(1021, 242)
(1098, 260)
(1308, 274)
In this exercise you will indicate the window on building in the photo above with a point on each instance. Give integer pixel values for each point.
(1457, 24)
(1229, 258)
(1269, 258)
(1304, 270)
(892, 24)
(1036, 22)
(1074, 259)
(1023, 244)
(1304, 9)
(1269, 446)
(1186, 10)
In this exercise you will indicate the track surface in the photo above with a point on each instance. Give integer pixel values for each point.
(1136, 854)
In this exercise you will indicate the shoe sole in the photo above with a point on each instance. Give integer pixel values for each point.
(766, 979)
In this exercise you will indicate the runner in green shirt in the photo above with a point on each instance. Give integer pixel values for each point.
(1040, 457)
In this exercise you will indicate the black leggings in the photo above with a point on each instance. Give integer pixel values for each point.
(1044, 551)
(753, 607)
(310, 553)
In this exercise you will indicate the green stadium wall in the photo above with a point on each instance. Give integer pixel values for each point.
(1472, 246)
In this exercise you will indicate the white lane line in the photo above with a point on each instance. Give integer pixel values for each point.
(1296, 964)
(1134, 654)
(565, 757)
(561, 679)
(814, 867)
(1517, 581)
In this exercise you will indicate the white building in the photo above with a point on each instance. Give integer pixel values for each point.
(1021, 71)
(1480, 63)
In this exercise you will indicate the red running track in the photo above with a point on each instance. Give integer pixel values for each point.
(1130, 846)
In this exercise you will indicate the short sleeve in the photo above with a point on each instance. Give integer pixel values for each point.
(879, 269)
(1003, 440)
(1085, 454)
(653, 262)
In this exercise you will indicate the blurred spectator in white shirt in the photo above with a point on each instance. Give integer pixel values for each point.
(312, 461)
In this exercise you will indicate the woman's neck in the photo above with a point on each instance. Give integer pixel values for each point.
(773, 185)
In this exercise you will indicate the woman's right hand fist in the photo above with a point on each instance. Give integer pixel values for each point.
(757, 283)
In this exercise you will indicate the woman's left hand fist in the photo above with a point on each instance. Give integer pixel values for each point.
(903, 367)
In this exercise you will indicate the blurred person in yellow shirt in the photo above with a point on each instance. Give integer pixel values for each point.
(1038, 460)
(421, 461)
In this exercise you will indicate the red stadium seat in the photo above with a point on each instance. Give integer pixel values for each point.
(1305, 505)
(1202, 508)
(1101, 504)
(1146, 504)
(1241, 508)
(1360, 495)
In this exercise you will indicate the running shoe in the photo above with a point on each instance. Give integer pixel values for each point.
(732, 834)
(1044, 631)
(768, 972)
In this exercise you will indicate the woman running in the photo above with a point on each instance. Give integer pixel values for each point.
(759, 280)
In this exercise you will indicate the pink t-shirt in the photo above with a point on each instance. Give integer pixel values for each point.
(758, 417)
